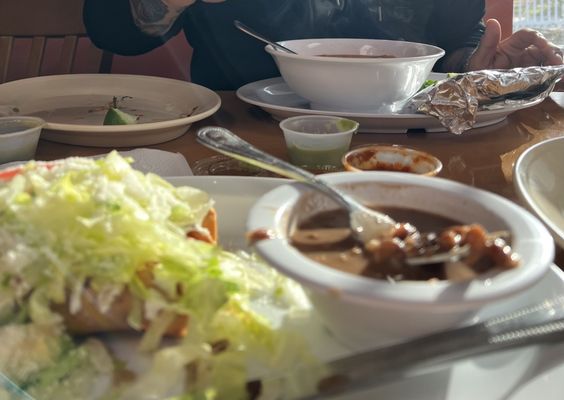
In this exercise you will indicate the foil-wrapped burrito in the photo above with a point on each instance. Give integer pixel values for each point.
(456, 100)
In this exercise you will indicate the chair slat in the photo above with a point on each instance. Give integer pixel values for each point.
(36, 56)
(55, 29)
(95, 56)
(6, 45)
(68, 52)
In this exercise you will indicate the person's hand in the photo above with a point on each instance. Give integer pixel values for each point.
(523, 48)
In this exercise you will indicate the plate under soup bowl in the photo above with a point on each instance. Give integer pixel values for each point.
(364, 311)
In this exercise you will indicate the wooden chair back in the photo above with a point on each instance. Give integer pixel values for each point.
(40, 22)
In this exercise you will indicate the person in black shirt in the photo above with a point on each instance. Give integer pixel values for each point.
(225, 58)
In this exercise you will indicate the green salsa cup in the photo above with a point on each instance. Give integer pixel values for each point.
(318, 142)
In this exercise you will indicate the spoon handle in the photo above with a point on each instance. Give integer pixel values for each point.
(244, 28)
(539, 324)
(225, 142)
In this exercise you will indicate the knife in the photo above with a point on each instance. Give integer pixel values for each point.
(538, 324)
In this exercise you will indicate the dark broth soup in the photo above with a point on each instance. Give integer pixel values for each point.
(356, 55)
(327, 239)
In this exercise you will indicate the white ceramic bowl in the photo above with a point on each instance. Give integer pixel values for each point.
(364, 312)
(19, 137)
(539, 181)
(355, 84)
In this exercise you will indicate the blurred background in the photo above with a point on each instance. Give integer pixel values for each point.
(172, 60)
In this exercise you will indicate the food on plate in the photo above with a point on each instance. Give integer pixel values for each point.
(433, 82)
(37, 358)
(94, 246)
(116, 116)
(81, 216)
(326, 238)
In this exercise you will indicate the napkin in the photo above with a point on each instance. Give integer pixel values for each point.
(160, 162)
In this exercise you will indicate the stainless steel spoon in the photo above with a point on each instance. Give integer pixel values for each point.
(541, 323)
(365, 222)
(244, 28)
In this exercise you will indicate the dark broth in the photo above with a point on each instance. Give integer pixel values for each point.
(327, 239)
(356, 55)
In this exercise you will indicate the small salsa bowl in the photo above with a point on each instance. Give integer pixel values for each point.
(19, 137)
(382, 157)
(318, 142)
(365, 312)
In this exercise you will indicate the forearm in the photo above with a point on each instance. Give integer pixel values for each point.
(111, 27)
(155, 17)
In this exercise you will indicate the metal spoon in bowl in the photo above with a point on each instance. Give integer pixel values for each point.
(244, 28)
(365, 222)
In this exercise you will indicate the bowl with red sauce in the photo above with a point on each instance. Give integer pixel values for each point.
(384, 157)
(365, 292)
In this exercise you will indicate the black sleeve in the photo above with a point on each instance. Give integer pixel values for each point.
(457, 23)
(110, 26)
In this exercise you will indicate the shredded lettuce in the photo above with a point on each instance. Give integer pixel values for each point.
(98, 221)
(99, 227)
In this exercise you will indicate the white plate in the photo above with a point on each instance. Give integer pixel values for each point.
(276, 98)
(530, 373)
(539, 180)
(74, 107)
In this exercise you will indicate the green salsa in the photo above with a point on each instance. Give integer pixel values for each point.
(316, 158)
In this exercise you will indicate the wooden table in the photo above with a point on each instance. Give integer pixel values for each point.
(481, 157)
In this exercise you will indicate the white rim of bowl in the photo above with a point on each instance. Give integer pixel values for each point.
(524, 194)
(40, 123)
(271, 50)
(278, 203)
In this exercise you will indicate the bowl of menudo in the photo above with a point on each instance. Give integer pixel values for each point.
(352, 74)
(370, 292)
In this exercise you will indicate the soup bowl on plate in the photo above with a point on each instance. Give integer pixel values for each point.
(360, 75)
(365, 311)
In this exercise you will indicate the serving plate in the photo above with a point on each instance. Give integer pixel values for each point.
(276, 98)
(74, 106)
(523, 374)
(539, 180)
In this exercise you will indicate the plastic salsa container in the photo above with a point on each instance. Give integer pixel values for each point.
(318, 142)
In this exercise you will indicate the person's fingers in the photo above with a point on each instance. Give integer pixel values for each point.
(528, 47)
(529, 57)
(486, 51)
(553, 55)
(545, 52)
(522, 39)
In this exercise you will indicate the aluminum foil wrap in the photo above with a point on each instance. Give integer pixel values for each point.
(456, 100)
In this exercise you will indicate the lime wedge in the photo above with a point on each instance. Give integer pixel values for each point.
(344, 125)
(115, 116)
